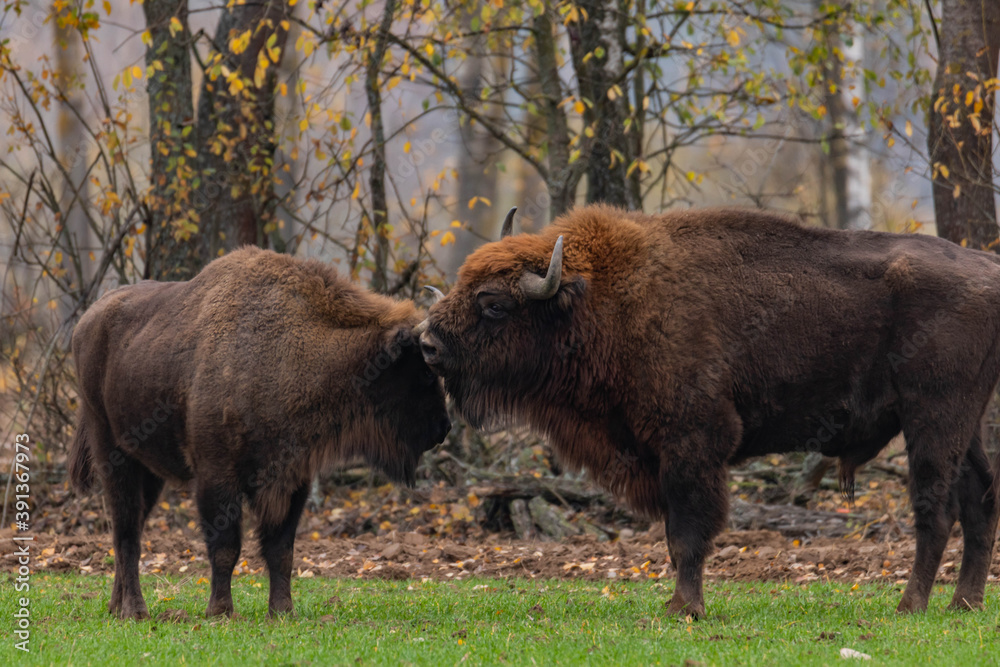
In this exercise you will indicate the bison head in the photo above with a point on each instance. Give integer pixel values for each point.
(502, 337)
(407, 403)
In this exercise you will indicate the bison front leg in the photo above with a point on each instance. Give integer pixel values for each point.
(696, 513)
(221, 510)
(277, 545)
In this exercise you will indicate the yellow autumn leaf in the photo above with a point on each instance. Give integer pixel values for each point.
(357, 191)
(406, 147)
(447, 237)
(733, 38)
(909, 129)
(136, 72)
(578, 107)
(175, 26)
(240, 43)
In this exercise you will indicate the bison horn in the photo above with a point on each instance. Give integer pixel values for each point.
(508, 224)
(537, 288)
(438, 294)
(422, 327)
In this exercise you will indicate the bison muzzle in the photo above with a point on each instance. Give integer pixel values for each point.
(655, 351)
(247, 379)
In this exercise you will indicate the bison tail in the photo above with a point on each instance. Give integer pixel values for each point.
(80, 464)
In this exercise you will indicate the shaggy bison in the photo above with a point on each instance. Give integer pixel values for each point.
(655, 351)
(247, 379)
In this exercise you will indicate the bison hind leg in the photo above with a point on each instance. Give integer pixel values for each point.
(935, 452)
(976, 495)
(277, 545)
(132, 491)
(221, 510)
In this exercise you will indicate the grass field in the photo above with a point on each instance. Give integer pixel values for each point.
(492, 621)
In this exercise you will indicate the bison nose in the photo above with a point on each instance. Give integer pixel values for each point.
(432, 348)
(444, 427)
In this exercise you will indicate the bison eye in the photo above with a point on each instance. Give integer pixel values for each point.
(494, 311)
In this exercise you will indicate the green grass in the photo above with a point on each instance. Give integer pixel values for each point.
(498, 621)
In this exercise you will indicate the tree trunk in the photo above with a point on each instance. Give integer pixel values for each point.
(380, 279)
(597, 45)
(236, 142)
(960, 133)
(854, 205)
(849, 160)
(80, 239)
(172, 251)
(477, 175)
(562, 177)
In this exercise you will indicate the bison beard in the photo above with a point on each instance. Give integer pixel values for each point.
(247, 379)
(676, 345)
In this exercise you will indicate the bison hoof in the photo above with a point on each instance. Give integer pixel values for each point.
(966, 603)
(134, 611)
(679, 607)
(908, 606)
(219, 608)
(277, 609)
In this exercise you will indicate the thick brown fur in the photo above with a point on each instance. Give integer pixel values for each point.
(680, 343)
(247, 379)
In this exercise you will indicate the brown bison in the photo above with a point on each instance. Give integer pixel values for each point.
(247, 379)
(655, 351)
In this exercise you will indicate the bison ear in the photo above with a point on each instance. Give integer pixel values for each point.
(570, 294)
(397, 340)
(401, 336)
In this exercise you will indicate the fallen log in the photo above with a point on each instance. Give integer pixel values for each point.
(550, 520)
(519, 516)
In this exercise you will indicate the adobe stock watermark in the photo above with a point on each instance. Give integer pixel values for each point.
(147, 427)
(22, 542)
(918, 340)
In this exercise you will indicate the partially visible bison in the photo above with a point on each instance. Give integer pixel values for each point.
(247, 379)
(655, 351)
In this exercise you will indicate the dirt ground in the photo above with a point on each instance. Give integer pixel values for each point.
(757, 555)
(451, 533)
